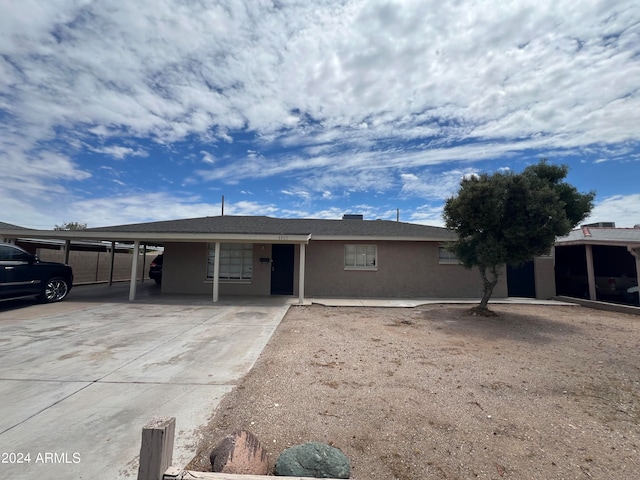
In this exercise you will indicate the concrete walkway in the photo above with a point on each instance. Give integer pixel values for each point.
(78, 380)
(415, 302)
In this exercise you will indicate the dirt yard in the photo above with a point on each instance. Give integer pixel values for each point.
(539, 392)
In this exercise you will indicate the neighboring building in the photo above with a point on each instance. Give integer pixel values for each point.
(259, 255)
(9, 226)
(599, 262)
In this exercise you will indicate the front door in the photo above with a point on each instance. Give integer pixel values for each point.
(521, 281)
(282, 269)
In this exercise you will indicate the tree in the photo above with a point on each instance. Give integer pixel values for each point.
(508, 218)
(71, 226)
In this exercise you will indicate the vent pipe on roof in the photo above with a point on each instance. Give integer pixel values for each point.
(397, 214)
(222, 204)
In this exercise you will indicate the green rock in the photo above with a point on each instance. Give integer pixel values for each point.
(313, 459)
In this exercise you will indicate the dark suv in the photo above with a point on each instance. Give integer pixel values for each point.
(23, 274)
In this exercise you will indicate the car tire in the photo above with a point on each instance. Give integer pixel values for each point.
(55, 289)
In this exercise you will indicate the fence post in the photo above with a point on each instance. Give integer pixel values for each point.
(156, 451)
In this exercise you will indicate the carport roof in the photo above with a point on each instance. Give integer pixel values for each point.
(254, 228)
(602, 236)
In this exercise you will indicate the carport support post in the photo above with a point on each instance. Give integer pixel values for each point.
(134, 271)
(216, 272)
(303, 255)
(636, 254)
(591, 277)
(144, 262)
(67, 247)
(113, 258)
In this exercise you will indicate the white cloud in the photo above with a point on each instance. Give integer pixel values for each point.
(624, 210)
(437, 186)
(426, 215)
(118, 152)
(172, 69)
(125, 209)
(207, 158)
(298, 193)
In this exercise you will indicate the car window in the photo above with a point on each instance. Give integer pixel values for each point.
(12, 254)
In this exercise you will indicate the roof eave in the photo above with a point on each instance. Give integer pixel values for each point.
(159, 237)
(380, 238)
(585, 241)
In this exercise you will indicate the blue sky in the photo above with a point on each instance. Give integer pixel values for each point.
(122, 112)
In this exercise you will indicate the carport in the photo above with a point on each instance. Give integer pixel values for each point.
(157, 238)
(598, 260)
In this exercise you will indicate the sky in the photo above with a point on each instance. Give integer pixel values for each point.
(144, 110)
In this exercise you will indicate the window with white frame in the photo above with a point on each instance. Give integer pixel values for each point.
(447, 256)
(360, 257)
(236, 261)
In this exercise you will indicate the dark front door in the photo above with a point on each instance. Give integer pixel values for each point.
(282, 269)
(521, 281)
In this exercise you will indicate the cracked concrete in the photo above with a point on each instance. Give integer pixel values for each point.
(83, 378)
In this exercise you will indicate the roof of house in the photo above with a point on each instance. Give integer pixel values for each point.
(263, 225)
(249, 229)
(602, 236)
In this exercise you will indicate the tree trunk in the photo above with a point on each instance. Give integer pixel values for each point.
(488, 284)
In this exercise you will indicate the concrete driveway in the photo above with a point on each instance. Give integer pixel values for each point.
(78, 380)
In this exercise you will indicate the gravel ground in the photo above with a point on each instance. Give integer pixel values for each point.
(539, 392)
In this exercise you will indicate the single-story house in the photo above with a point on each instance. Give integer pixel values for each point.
(259, 255)
(599, 262)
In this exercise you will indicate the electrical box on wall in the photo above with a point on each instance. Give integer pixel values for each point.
(265, 259)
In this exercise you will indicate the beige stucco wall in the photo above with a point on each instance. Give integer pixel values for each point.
(405, 269)
(185, 271)
(545, 279)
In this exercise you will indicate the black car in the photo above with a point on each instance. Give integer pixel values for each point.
(155, 269)
(23, 274)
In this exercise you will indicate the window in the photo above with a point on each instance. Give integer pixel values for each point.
(447, 256)
(360, 257)
(236, 261)
(9, 253)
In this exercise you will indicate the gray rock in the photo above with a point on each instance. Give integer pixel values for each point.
(240, 452)
(315, 460)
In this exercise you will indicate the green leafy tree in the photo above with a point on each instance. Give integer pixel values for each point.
(71, 226)
(507, 218)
